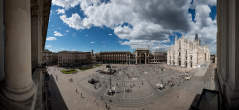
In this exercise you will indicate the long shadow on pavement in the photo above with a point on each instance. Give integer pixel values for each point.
(55, 100)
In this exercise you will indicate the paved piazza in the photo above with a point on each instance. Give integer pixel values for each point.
(137, 87)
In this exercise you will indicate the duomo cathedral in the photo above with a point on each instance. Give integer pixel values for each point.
(188, 53)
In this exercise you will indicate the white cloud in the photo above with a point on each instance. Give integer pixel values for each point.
(148, 20)
(60, 11)
(51, 38)
(204, 26)
(133, 12)
(208, 2)
(74, 21)
(53, 49)
(56, 33)
(74, 50)
(66, 3)
(151, 44)
(123, 32)
(48, 46)
(92, 42)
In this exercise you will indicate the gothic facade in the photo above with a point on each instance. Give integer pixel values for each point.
(188, 53)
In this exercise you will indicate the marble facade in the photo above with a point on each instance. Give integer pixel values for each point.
(188, 53)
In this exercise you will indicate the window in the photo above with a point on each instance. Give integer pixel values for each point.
(205, 56)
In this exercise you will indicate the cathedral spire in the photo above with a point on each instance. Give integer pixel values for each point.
(196, 37)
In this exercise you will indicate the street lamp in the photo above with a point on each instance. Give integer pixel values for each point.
(110, 91)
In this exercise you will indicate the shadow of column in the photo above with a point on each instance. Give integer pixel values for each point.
(54, 98)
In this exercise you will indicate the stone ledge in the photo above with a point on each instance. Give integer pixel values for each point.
(7, 104)
(34, 103)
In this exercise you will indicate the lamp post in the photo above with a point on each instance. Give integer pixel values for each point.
(110, 79)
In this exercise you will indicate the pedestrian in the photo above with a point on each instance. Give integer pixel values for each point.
(76, 91)
(56, 78)
(81, 95)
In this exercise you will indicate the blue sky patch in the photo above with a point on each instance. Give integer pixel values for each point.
(96, 38)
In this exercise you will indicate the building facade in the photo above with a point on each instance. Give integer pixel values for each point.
(117, 57)
(73, 58)
(76, 58)
(157, 57)
(139, 56)
(187, 53)
(49, 58)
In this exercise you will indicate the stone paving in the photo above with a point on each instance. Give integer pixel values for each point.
(138, 87)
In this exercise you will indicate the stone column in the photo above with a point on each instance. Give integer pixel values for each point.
(182, 58)
(176, 57)
(34, 40)
(188, 60)
(129, 59)
(228, 51)
(145, 56)
(40, 40)
(136, 58)
(168, 57)
(194, 59)
(2, 41)
(36, 33)
(171, 58)
(19, 85)
(182, 54)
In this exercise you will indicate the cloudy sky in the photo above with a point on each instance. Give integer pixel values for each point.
(114, 25)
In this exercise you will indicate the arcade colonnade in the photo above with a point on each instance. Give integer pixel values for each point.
(23, 33)
(228, 52)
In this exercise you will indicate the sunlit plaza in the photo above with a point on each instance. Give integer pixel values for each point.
(132, 86)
